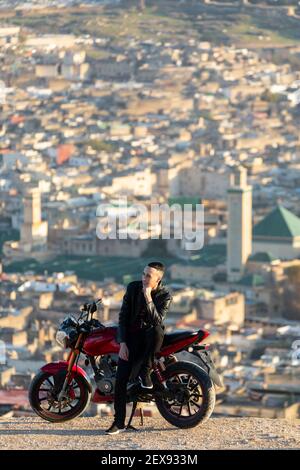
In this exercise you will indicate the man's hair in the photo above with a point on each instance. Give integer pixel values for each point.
(157, 265)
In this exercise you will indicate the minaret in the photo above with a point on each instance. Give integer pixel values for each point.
(239, 230)
(34, 231)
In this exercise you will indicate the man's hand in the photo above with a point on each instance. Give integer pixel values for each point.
(147, 294)
(123, 352)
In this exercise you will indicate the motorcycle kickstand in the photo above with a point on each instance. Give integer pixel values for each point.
(141, 416)
(129, 425)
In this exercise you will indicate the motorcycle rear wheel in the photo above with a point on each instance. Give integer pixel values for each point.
(195, 403)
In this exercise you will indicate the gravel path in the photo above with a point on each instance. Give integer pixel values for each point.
(88, 433)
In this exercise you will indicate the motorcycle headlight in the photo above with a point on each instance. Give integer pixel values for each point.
(62, 338)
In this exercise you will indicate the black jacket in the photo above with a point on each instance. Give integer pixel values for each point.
(131, 305)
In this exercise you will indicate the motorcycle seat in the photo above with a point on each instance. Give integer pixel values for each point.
(171, 338)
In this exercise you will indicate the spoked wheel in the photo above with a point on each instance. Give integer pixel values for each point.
(193, 395)
(44, 401)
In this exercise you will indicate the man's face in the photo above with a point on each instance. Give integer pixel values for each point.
(151, 277)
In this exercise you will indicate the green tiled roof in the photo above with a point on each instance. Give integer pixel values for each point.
(252, 280)
(181, 200)
(262, 257)
(278, 223)
(209, 256)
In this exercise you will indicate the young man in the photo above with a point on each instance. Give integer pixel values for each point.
(140, 334)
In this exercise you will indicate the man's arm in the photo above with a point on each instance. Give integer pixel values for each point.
(123, 316)
(157, 310)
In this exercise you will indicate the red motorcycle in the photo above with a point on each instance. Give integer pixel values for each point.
(183, 391)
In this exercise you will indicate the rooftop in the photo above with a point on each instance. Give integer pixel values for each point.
(278, 223)
(262, 257)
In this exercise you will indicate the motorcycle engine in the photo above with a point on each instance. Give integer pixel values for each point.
(106, 386)
(106, 376)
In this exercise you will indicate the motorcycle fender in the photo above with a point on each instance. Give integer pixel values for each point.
(209, 367)
(55, 367)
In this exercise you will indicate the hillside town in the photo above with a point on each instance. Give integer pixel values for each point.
(85, 122)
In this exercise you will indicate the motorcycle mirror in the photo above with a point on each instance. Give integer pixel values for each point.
(93, 307)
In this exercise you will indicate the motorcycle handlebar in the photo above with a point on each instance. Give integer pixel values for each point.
(91, 308)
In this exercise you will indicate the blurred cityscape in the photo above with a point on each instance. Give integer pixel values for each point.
(166, 102)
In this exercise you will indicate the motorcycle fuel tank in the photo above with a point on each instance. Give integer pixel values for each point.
(102, 341)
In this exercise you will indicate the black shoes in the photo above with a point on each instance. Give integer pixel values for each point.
(114, 429)
(145, 381)
(133, 384)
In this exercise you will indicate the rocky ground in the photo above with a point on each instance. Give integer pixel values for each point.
(88, 433)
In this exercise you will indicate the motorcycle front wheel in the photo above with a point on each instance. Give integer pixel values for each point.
(194, 395)
(44, 402)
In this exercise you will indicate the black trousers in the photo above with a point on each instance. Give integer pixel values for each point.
(142, 346)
